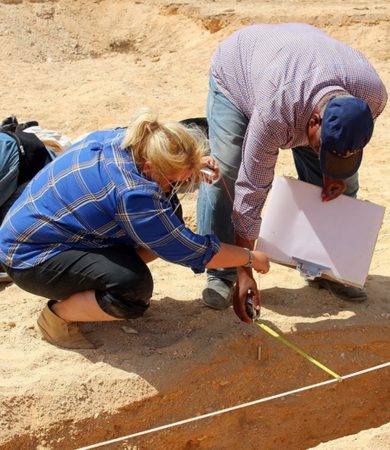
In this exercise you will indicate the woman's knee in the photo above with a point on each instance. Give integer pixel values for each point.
(140, 289)
(128, 300)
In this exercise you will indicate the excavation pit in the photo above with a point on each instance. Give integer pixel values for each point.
(187, 371)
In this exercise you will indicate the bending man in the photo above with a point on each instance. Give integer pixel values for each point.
(288, 86)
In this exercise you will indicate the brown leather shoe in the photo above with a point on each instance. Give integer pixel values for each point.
(59, 332)
(347, 293)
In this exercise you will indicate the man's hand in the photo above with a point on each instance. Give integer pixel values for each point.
(332, 188)
(245, 282)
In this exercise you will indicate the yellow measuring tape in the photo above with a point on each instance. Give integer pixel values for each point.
(296, 349)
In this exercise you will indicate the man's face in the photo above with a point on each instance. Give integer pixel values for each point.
(331, 189)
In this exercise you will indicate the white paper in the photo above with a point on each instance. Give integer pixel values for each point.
(340, 234)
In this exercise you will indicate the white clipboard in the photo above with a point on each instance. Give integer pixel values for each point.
(337, 237)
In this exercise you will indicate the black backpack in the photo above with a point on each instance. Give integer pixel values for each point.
(200, 122)
(32, 152)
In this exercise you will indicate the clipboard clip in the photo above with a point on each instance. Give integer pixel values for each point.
(308, 269)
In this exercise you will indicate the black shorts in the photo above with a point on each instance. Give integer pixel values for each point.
(122, 282)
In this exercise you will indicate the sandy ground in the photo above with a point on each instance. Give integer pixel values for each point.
(77, 66)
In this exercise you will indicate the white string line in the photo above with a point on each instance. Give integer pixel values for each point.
(234, 408)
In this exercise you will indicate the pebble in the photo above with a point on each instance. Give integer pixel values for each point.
(129, 330)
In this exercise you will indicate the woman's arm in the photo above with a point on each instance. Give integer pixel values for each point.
(234, 256)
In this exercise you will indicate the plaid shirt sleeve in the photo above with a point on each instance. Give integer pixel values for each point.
(156, 227)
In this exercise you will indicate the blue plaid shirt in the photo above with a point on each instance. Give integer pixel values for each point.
(93, 196)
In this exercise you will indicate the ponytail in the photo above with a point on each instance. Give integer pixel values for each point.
(170, 147)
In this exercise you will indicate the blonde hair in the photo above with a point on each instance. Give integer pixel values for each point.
(170, 147)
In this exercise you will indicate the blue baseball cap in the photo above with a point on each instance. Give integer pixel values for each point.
(346, 127)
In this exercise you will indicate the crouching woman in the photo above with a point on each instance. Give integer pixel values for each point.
(86, 226)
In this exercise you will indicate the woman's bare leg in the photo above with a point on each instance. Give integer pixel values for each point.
(81, 307)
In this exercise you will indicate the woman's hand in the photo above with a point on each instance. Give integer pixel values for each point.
(260, 262)
(208, 162)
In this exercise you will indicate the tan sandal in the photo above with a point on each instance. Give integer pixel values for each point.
(59, 332)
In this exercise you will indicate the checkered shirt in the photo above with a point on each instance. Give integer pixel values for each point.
(275, 75)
